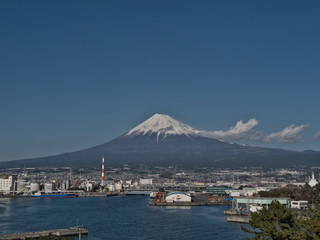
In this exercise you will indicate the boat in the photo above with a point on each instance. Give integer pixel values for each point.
(153, 195)
(58, 195)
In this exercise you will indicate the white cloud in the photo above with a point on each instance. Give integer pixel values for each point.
(317, 136)
(242, 131)
(289, 134)
(245, 131)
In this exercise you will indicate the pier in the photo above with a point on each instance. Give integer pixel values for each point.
(165, 204)
(68, 232)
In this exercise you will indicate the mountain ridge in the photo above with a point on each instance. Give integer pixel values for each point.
(163, 140)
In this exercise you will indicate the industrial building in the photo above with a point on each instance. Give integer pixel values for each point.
(218, 190)
(247, 203)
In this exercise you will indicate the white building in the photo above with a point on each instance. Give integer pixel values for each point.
(7, 183)
(129, 182)
(135, 184)
(248, 192)
(89, 186)
(178, 197)
(112, 187)
(234, 193)
(299, 204)
(118, 186)
(147, 181)
(313, 181)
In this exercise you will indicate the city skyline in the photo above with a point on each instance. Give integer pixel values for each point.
(75, 75)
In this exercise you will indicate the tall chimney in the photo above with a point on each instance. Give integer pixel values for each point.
(102, 173)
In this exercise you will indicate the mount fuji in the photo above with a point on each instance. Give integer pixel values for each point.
(162, 140)
(162, 125)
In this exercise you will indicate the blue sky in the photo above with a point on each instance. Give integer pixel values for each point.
(75, 74)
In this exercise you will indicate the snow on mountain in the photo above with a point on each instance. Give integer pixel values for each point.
(163, 125)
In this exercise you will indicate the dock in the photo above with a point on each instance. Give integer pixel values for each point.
(238, 216)
(164, 204)
(68, 232)
(197, 200)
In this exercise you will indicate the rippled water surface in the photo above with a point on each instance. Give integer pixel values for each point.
(117, 218)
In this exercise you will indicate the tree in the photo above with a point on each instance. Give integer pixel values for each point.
(279, 223)
(311, 194)
(276, 222)
(310, 222)
(317, 191)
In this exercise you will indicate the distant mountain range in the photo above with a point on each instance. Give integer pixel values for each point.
(162, 140)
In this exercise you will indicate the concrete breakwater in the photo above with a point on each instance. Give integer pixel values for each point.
(77, 194)
(68, 232)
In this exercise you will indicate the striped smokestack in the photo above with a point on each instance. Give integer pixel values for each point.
(102, 173)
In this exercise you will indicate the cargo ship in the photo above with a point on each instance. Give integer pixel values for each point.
(58, 195)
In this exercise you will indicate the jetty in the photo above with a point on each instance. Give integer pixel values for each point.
(68, 232)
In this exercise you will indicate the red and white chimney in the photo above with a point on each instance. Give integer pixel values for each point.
(102, 173)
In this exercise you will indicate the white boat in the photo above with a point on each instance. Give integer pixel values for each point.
(153, 195)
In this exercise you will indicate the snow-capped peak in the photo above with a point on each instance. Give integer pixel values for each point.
(162, 125)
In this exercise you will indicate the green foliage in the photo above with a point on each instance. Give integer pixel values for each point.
(280, 223)
(317, 192)
(272, 193)
(296, 193)
(310, 221)
(277, 222)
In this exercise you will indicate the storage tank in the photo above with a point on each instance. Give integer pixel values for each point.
(21, 186)
(67, 184)
(34, 187)
(48, 187)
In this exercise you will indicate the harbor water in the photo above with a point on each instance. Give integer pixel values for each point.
(127, 217)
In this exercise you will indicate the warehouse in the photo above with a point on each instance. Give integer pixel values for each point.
(178, 197)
